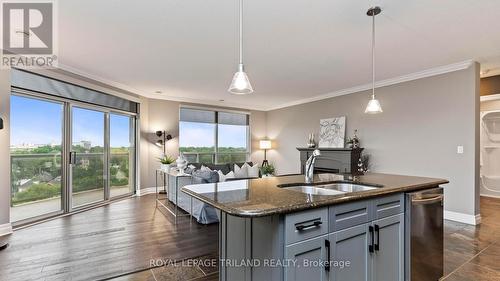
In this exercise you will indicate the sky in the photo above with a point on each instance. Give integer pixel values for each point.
(203, 135)
(40, 122)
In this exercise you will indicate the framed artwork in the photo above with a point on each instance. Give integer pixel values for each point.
(332, 132)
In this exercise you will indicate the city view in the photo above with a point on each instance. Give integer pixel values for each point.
(37, 168)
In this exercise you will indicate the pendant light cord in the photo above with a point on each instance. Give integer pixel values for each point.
(241, 31)
(373, 55)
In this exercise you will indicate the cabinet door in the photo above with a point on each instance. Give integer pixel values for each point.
(388, 259)
(309, 256)
(350, 245)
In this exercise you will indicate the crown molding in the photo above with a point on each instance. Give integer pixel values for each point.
(383, 83)
(138, 92)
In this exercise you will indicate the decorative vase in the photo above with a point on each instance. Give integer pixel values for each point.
(267, 176)
(165, 167)
(311, 143)
(181, 163)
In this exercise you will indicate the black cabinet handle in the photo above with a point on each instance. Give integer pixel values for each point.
(370, 247)
(377, 231)
(302, 227)
(327, 264)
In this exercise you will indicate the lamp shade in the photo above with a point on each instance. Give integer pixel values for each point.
(240, 84)
(373, 107)
(265, 144)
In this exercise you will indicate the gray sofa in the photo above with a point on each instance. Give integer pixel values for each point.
(204, 213)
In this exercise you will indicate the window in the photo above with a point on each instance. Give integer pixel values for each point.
(213, 137)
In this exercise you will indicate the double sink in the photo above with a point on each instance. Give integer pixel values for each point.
(329, 188)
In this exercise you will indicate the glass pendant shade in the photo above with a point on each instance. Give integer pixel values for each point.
(240, 84)
(373, 107)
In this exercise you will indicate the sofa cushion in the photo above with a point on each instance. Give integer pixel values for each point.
(205, 176)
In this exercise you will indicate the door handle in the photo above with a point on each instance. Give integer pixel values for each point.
(377, 232)
(72, 158)
(327, 264)
(370, 247)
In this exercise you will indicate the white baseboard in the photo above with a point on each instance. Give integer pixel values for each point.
(144, 191)
(463, 218)
(489, 195)
(5, 229)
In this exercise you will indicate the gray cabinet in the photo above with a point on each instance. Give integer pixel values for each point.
(351, 245)
(306, 254)
(388, 257)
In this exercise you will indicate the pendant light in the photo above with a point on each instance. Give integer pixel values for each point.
(240, 84)
(373, 106)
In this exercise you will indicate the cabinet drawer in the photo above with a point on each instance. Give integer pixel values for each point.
(388, 206)
(349, 215)
(304, 225)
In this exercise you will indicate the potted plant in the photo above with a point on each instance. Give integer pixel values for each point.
(267, 170)
(166, 161)
(350, 142)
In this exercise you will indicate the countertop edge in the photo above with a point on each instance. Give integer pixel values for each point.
(327, 202)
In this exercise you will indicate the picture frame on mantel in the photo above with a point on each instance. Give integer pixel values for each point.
(332, 132)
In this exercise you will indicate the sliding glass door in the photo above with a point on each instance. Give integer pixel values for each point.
(87, 156)
(122, 156)
(36, 142)
(67, 155)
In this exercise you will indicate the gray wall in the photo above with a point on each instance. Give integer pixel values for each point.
(4, 148)
(164, 115)
(417, 134)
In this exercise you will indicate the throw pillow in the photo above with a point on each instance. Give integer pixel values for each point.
(253, 171)
(240, 172)
(223, 177)
(206, 176)
(205, 168)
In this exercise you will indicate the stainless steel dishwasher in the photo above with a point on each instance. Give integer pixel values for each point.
(424, 227)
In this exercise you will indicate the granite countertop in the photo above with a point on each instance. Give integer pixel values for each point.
(264, 197)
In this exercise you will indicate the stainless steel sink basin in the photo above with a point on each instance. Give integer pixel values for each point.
(313, 190)
(329, 188)
(347, 187)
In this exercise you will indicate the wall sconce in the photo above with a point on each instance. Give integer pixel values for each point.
(265, 145)
(163, 141)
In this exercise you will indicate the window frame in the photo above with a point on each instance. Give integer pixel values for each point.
(216, 153)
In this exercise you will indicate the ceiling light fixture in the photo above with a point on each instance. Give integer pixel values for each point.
(373, 106)
(240, 84)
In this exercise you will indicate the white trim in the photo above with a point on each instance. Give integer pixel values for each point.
(463, 218)
(144, 191)
(489, 195)
(5, 229)
(490, 97)
(391, 81)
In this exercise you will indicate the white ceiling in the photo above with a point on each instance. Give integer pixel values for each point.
(294, 49)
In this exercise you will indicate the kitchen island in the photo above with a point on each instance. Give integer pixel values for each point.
(340, 227)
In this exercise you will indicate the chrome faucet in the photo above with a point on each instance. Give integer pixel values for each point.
(310, 166)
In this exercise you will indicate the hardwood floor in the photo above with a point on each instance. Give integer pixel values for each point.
(473, 253)
(104, 242)
(123, 237)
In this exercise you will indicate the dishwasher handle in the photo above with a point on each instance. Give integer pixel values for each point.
(426, 201)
